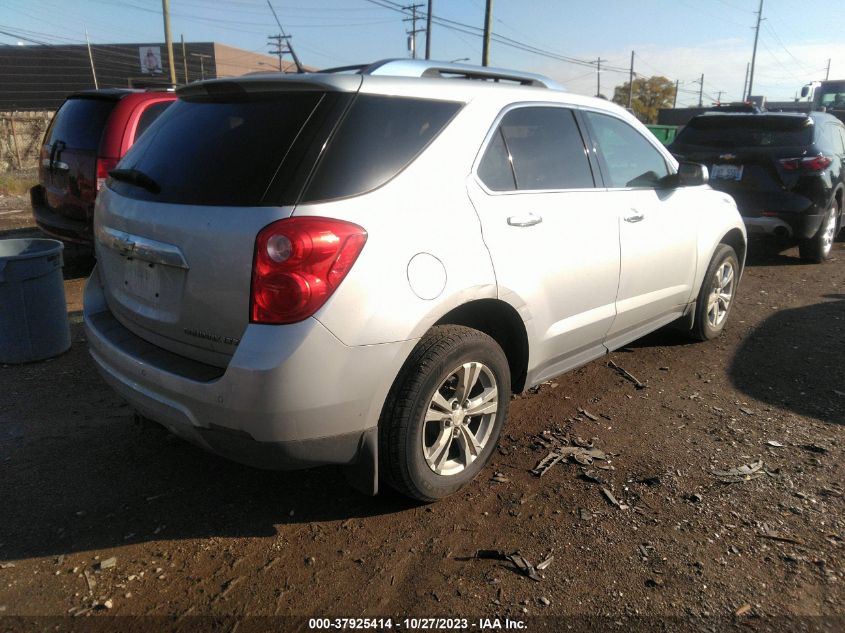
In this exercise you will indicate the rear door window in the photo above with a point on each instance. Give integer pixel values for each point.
(217, 150)
(627, 157)
(377, 139)
(79, 123)
(543, 147)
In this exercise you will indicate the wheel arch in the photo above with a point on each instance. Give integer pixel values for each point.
(736, 240)
(500, 321)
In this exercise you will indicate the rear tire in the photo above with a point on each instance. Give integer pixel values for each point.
(716, 296)
(430, 443)
(817, 248)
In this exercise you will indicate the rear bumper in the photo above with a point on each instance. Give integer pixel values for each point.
(57, 225)
(784, 225)
(291, 397)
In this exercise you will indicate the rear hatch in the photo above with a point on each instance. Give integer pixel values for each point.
(68, 167)
(748, 154)
(176, 225)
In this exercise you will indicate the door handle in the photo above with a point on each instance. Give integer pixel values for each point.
(635, 216)
(525, 219)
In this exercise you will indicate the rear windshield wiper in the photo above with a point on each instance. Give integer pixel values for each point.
(137, 178)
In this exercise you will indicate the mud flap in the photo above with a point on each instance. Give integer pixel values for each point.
(363, 474)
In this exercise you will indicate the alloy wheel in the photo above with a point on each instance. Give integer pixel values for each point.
(460, 418)
(721, 294)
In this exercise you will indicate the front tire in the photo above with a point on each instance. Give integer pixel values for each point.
(817, 249)
(716, 297)
(444, 413)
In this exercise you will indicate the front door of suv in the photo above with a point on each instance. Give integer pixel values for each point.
(657, 228)
(552, 237)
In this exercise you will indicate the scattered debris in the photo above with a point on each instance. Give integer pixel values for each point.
(6, 565)
(90, 581)
(547, 462)
(773, 536)
(589, 415)
(500, 477)
(108, 604)
(108, 563)
(743, 610)
(583, 453)
(814, 448)
(522, 565)
(745, 472)
(609, 496)
(626, 374)
(591, 475)
(545, 563)
(775, 444)
(747, 411)
(544, 600)
(584, 514)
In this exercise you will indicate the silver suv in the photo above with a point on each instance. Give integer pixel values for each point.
(361, 267)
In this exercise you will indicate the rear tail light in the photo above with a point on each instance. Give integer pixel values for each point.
(299, 263)
(809, 163)
(104, 166)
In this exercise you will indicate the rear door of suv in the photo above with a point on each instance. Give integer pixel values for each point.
(68, 167)
(553, 238)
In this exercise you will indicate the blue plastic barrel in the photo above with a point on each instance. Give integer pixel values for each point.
(33, 311)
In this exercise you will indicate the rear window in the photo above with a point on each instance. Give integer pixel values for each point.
(208, 151)
(378, 138)
(747, 131)
(80, 122)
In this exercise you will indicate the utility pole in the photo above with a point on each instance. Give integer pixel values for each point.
(412, 34)
(91, 59)
(488, 28)
(631, 82)
(428, 32)
(168, 42)
(598, 77)
(277, 41)
(288, 46)
(745, 82)
(719, 96)
(701, 91)
(754, 53)
(827, 73)
(184, 59)
(675, 98)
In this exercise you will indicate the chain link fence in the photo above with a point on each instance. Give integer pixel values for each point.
(21, 134)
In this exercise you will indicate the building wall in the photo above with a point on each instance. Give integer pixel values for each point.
(40, 77)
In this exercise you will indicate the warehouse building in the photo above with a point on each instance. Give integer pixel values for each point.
(35, 77)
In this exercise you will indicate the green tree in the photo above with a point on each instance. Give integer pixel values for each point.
(650, 94)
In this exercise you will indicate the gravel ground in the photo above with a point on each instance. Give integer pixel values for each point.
(194, 535)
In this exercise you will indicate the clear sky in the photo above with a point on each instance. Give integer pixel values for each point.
(679, 39)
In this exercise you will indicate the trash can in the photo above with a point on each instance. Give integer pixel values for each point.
(33, 311)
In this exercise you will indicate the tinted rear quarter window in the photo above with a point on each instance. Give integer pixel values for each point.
(150, 114)
(377, 139)
(79, 123)
(218, 151)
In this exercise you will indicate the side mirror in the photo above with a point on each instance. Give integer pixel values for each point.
(805, 90)
(692, 174)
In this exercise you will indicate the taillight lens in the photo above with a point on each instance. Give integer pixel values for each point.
(104, 166)
(809, 163)
(298, 264)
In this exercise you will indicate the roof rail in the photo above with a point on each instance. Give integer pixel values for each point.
(446, 70)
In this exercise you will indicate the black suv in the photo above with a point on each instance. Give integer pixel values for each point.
(783, 169)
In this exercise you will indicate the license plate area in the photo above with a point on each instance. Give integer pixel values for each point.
(726, 172)
(142, 280)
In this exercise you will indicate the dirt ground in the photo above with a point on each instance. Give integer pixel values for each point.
(195, 535)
